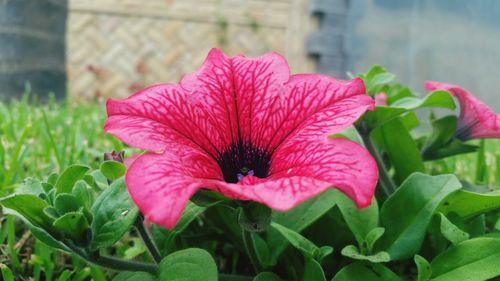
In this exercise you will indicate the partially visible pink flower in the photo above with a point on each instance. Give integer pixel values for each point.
(381, 99)
(476, 120)
(246, 128)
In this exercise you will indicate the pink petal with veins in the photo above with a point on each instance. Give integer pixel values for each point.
(476, 119)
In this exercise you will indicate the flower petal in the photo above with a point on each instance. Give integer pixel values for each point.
(301, 170)
(476, 120)
(161, 184)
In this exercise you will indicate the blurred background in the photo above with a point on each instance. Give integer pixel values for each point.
(86, 49)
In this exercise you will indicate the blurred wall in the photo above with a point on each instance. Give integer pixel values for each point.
(115, 47)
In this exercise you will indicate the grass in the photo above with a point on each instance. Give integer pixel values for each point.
(38, 139)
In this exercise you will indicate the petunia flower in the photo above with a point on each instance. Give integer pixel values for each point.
(476, 120)
(246, 128)
(381, 99)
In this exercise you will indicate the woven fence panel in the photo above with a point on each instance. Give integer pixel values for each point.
(117, 47)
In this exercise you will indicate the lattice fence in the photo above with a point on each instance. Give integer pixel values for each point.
(118, 46)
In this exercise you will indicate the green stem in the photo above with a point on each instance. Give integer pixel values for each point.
(386, 182)
(250, 249)
(148, 241)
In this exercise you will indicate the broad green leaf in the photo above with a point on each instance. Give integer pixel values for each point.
(69, 177)
(113, 170)
(401, 148)
(191, 264)
(385, 114)
(423, 267)
(407, 212)
(451, 232)
(73, 224)
(297, 219)
(65, 203)
(134, 276)
(468, 204)
(313, 271)
(298, 241)
(114, 213)
(364, 271)
(359, 221)
(30, 207)
(352, 251)
(31, 186)
(267, 276)
(474, 260)
(82, 192)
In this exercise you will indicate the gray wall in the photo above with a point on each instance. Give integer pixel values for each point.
(446, 40)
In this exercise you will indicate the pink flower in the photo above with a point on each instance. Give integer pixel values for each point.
(381, 99)
(476, 120)
(246, 128)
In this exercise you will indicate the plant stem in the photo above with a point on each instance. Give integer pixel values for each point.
(250, 249)
(148, 241)
(386, 182)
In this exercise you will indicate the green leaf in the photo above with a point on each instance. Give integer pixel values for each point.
(468, 204)
(65, 275)
(191, 264)
(113, 170)
(82, 192)
(7, 273)
(353, 252)
(474, 260)
(385, 114)
(364, 271)
(254, 217)
(401, 148)
(443, 130)
(72, 224)
(47, 238)
(29, 207)
(298, 241)
(114, 213)
(297, 219)
(359, 221)
(451, 232)
(31, 186)
(407, 212)
(267, 276)
(372, 237)
(423, 267)
(165, 237)
(66, 203)
(69, 177)
(134, 276)
(313, 271)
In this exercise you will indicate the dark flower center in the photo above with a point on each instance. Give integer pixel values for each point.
(242, 160)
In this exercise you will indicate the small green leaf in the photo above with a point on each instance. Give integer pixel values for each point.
(267, 276)
(313, 271)
(65, 203)
(69, 177)
(82, 192)
(451, 232)
(407, 212)
(113, 170)
(191, 264)
(6, 273)
(73, 224)
(475, 260)
(359, 221)
(364, 271)
(373, 236)
(51, 212)
(52, 179)
(47, 238)
(423, 268)
(30, 207)
(65, 275)
(297, 240)
(352, 251)
(134, 276)
(31, 186)
(297, 219)
(114, 213)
